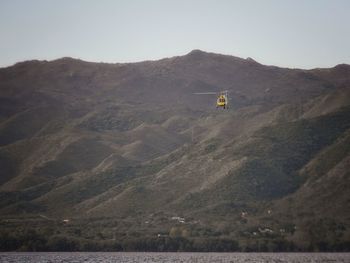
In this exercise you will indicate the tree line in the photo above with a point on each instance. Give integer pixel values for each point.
(34, 241)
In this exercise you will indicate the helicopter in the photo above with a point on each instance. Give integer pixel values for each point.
(222, 98)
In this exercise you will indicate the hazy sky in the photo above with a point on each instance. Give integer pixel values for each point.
(290, 33)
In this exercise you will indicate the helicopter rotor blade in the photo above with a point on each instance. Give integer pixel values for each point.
(205, 93)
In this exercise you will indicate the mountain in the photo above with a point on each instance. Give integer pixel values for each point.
(128, 157)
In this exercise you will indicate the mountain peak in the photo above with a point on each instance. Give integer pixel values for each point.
(68, 60)
(196, 52)
(251, 60)
(342, 67)
(200, 54)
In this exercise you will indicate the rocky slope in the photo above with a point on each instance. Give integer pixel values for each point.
(132, 143)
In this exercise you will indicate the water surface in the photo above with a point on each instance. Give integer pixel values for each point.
(122, 257)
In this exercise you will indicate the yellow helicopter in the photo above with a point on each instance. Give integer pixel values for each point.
(222, 98)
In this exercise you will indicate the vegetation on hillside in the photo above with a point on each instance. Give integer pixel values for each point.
(124, 157)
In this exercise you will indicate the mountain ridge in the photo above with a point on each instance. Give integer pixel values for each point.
(193, 52)
(130, 143)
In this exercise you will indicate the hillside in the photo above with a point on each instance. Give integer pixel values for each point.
(134, 160)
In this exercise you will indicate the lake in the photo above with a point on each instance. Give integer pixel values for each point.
(124, 257)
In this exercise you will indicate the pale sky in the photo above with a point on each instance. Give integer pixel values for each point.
(287, 33)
